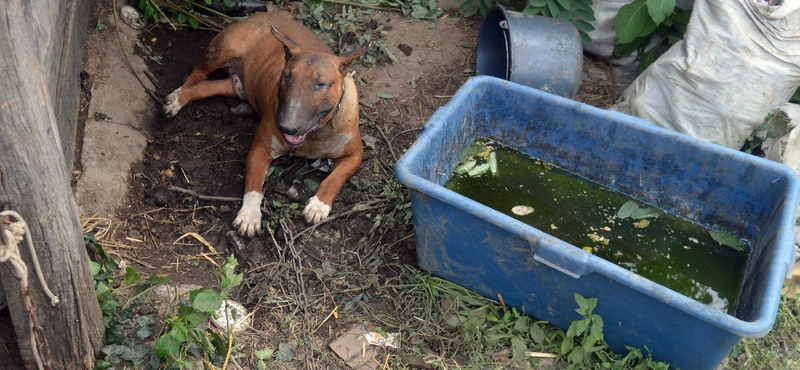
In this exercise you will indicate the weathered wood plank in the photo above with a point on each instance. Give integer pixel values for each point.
(35, 182)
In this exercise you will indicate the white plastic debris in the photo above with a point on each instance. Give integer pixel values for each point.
(234, 310)
(131, 17)
(521, 210)
(376, 339)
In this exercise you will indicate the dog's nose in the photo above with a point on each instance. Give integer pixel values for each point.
(288, 130)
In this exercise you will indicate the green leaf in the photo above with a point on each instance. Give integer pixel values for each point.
(264, 354)
(584, 7)
(682, 17)
(565, 4)
(194, 22)
(180, 332)
(627, 210)
(419, 11)
(518, 347)
(585, 37)
(155, 279)
(565, 15)
(581, 300)
(94, 267)
(182, 18)
(660, 9)
(597, 332)
(131, 276)
(674, 39)
(623, 50)
(566, 345)
(209, 2)
(537, 3)
(144, 332)
(207, 301)
(592, 304)
(728, 240)
(531, 10)
(261, 365)
(629, 21)
(576, 356)
(537, 334)
(644, 62)
(573, 329)
(584, 26)
(167, 346)
(553, 7)
(647, 212)
(521, 325)
(385, 95)
(648, 28)
(586, 15)
(311, 184)
(546, 12)
(285, 353)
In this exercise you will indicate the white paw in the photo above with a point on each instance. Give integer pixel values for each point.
(172, 106)
(248, 220)
(316, 211)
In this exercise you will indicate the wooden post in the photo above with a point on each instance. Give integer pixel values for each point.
(35, 183)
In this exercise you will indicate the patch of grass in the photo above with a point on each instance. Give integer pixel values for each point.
(780, 349)
(452, 325)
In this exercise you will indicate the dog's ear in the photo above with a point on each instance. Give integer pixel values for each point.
(289, 45)
(346, 59)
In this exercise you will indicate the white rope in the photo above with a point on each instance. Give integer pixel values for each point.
(10, 253)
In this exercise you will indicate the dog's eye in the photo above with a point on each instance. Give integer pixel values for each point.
(286, 75)
(321, 85)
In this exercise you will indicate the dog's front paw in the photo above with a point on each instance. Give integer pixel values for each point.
(248, 220)
(316, 211)
(172, 106)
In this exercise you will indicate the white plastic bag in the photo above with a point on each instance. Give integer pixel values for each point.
(739, 60)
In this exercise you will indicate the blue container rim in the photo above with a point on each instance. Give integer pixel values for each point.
(768, 307)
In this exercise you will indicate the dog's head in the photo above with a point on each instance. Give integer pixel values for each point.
(311, 88)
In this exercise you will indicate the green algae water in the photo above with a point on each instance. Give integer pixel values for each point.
(667, 249)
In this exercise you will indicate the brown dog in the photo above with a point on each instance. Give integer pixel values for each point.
(307, 103)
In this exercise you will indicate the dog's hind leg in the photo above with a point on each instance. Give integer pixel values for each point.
(217, 56)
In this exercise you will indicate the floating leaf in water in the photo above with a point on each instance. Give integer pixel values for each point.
(521, 210)
(493, 163)
(478, 170)
(642, 224)
(627, 209)
(465, 167)
(646, 212)
(728, 240)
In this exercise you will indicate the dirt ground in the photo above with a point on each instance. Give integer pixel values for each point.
(307, 284)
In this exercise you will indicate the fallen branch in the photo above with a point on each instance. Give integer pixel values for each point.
(203, 197)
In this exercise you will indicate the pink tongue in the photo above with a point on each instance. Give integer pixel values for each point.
(294, 139)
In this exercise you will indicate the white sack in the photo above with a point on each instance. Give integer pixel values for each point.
(739, 60)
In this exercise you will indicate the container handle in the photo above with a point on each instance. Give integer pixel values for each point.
(570, 260)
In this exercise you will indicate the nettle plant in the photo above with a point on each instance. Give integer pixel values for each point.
(578, 12)
(648, 26)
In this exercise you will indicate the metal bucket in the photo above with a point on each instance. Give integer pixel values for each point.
(540, 52)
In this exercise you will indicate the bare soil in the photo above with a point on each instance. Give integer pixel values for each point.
(307, 285)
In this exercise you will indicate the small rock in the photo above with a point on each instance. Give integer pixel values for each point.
(224, 209)
(405, 49)
(416, 362)
(131, 17)
(169, 293)
(146, 310)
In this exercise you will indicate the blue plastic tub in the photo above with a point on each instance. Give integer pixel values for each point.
(489, 252)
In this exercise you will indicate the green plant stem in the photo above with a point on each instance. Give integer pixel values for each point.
(219, 14)
(137, 296)
(209, 23)
(367, 6)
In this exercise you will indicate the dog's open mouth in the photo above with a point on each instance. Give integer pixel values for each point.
(296, 140)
